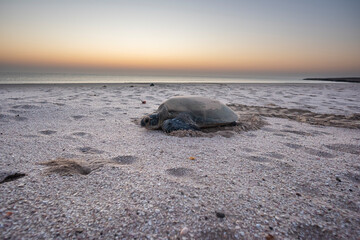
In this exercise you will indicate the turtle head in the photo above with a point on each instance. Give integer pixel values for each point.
(151, 121)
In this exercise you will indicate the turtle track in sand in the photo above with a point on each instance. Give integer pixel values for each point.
(300, 115)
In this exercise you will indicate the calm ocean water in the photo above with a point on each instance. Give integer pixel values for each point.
(60, 78)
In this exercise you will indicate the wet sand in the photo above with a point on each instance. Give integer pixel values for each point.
(74, 164)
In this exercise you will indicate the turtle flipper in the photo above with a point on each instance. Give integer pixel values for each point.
(182, 122)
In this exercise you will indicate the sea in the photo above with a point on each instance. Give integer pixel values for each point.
(71, 78)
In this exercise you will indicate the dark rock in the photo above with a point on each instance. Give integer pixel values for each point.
(151, 84)
(10, 176)
(220, 214)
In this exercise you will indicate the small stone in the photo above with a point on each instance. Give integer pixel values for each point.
(298, 194)
(8, 214)
(157, 210)
(79, 230)
(184, 231)
(220, 214)
(338, 179)
(151, 84)
(269, 237)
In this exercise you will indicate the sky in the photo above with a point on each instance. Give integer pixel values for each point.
(211, 37)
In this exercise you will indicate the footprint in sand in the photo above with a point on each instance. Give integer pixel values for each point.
(25, 106)
(305, 231)
(249, 150)
(90, 150)
(293, 145)
(179, 172)
(4, 118)
(318, 153)
(124, 160)
(47, 132)
(311, 151)
(15, 111)
(288, 168)
(76, 117)
(19, 118)
(59, 104)
(279, 134)
(258, 159)
(275, 155)
(301, 133)
(353, 177)
(346, 148)
(81, 134)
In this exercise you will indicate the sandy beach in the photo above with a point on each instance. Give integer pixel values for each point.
(75, 164)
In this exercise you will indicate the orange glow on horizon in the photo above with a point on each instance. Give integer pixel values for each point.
(183, 36)
(250, 61)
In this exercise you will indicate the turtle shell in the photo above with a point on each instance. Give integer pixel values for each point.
(205, 112)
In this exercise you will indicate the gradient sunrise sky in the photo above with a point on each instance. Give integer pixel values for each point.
(319, 37)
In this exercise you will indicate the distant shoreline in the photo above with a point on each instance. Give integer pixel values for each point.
(350, 79)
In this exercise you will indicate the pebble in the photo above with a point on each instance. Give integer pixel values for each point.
(184, 231)
(220, 214)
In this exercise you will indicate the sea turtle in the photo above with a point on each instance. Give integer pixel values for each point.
(189, 113)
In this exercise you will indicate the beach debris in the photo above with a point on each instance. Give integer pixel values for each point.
(184, 231)
(192, 158)
(220, 214)
(8, 214)
(269, 237)
(151, 84)
(338, 178)
(143, 101)
(10, 176)
(67, 167)
(189, 113)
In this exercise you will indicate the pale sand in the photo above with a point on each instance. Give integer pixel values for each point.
(91, 172)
